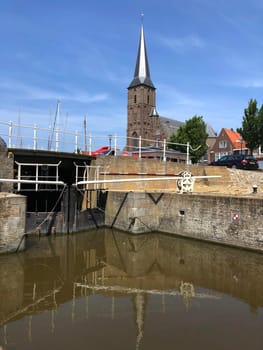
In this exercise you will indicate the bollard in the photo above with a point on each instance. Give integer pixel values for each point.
(255, 188)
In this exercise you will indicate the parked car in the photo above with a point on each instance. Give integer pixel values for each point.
(238, 161)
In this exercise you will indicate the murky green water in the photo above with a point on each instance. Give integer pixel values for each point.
(108, 290)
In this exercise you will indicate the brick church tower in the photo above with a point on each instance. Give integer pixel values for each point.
(142, 118)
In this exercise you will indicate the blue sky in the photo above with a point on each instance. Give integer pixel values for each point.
(205, 59)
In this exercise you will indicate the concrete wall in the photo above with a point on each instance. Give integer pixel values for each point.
(12, 222)
(236, 221)
(147, 166)
(231, 181)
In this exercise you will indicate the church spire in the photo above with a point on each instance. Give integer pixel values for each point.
(142, 71)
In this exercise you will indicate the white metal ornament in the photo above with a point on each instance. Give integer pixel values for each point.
(186, 183)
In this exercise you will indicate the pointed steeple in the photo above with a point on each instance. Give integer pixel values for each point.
(142, 71)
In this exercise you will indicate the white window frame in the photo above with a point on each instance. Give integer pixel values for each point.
(222, 144)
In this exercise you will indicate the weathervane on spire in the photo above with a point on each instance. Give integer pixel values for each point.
(142, 15)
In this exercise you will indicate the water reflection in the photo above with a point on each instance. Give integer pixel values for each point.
(108, 290)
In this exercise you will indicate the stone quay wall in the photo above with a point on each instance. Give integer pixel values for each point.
(230, 220)
(12, 222)
(6, 170)
(12, 208)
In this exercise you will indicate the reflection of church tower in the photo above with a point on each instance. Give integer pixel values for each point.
(139, 303)
(142, 116)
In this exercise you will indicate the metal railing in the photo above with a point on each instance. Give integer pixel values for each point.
(38, 138)
(37, 177)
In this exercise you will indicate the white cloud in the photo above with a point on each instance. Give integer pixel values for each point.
(182, 44)
(246, 83)
(85, 97)
(24, 91)
(175, 97)
(250, 83)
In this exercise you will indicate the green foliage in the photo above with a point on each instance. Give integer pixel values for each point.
(252, 126)
(194, 132)
(260, 126)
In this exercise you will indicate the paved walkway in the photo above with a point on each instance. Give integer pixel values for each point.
(232, 182)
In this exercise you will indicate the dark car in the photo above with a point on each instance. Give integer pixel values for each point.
(238, 161)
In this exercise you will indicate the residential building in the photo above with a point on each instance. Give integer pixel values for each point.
(227, 142)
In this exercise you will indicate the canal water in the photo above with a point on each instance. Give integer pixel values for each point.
(106, 289)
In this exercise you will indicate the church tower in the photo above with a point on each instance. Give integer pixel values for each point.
(142, 118)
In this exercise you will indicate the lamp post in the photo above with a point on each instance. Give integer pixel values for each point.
(241, 142)
(110, 138)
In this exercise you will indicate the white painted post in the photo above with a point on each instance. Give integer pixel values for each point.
(90, 144)
(19, 177)
(115, 145)
(187, 153)
(57, 174)
(36, 177)
(164, 150)
(140, 146)
(76, 141)
(35, 137)
(10, 129)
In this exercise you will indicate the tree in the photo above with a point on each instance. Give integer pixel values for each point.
(194, 132)
(260, 125)
(252, 125)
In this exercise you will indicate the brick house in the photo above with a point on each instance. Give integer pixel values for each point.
(227, 142)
